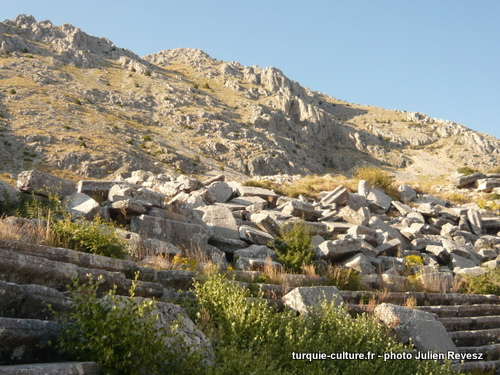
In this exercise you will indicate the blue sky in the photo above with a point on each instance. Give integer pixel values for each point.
(440, 57)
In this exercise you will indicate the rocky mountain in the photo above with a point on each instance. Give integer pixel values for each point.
(76, 105)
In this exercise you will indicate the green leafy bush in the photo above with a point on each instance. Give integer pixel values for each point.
(489, 283)
(344, 278)
(95, 237)
(466, 171)
(375, 176)
(117, 332)
(294, 246)
(250, 337)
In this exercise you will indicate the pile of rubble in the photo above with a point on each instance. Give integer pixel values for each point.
(368, 231)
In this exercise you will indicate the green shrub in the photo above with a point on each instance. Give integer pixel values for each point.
(466, 171)
(344, 278)
(294, 246)
(147, 73)
(38, 207)
(489, 283)
(411, 262)
(12, 91)
(375, 176)
(117, 332)
(95, 237)
(250, 337)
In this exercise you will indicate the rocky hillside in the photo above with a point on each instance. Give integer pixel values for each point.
(77, 105)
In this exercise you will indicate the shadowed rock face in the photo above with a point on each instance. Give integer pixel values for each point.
(183, 110)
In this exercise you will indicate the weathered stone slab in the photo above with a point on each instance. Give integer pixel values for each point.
(129, 207)
(440, 252)
(379, 200)
(140, 247)
(98, 190)
(491, 223)
(337, 227)
(429, 209)
(42, 183)
(306, 299)
(356, 201)
(402, 208)
(266, 223)
(201, 197)
(254, 236)
(7, 193)
(12, 296)
(377, 223)
(475, 220)
(176, 279)
(143, 196)
(364, 188)
(211, 180)
(389, 248)
(188, 184)
(338, 250)
(221, 191)
(82, 206)
(302, 210)
(425, 332)
(461, 262)
(256, 264)
(71, 256)
(26, 340)
(220, 219)
(407, 193)
(359, 217)
(256, 252)
(60, 368)
(358, 230)
(181, 234)
(339, 195)
(360, 263)
(251, 191)
(249, 201)
(468, 180)
(413, 232)
(487, 185)
(227, 245)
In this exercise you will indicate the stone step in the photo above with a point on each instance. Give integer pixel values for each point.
(31, 301)
(479, 367)
(27, 341)
(490, 352)
(476, 337)
(470, 323)
(421, 299)
(62, 368)
(27, 269)
(77, 258)
(462, 311)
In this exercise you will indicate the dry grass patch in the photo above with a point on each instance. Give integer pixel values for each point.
(311, 186)
(20, 229)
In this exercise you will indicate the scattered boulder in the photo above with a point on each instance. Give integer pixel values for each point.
(45, 184)
(425, 332)
(305, 299)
